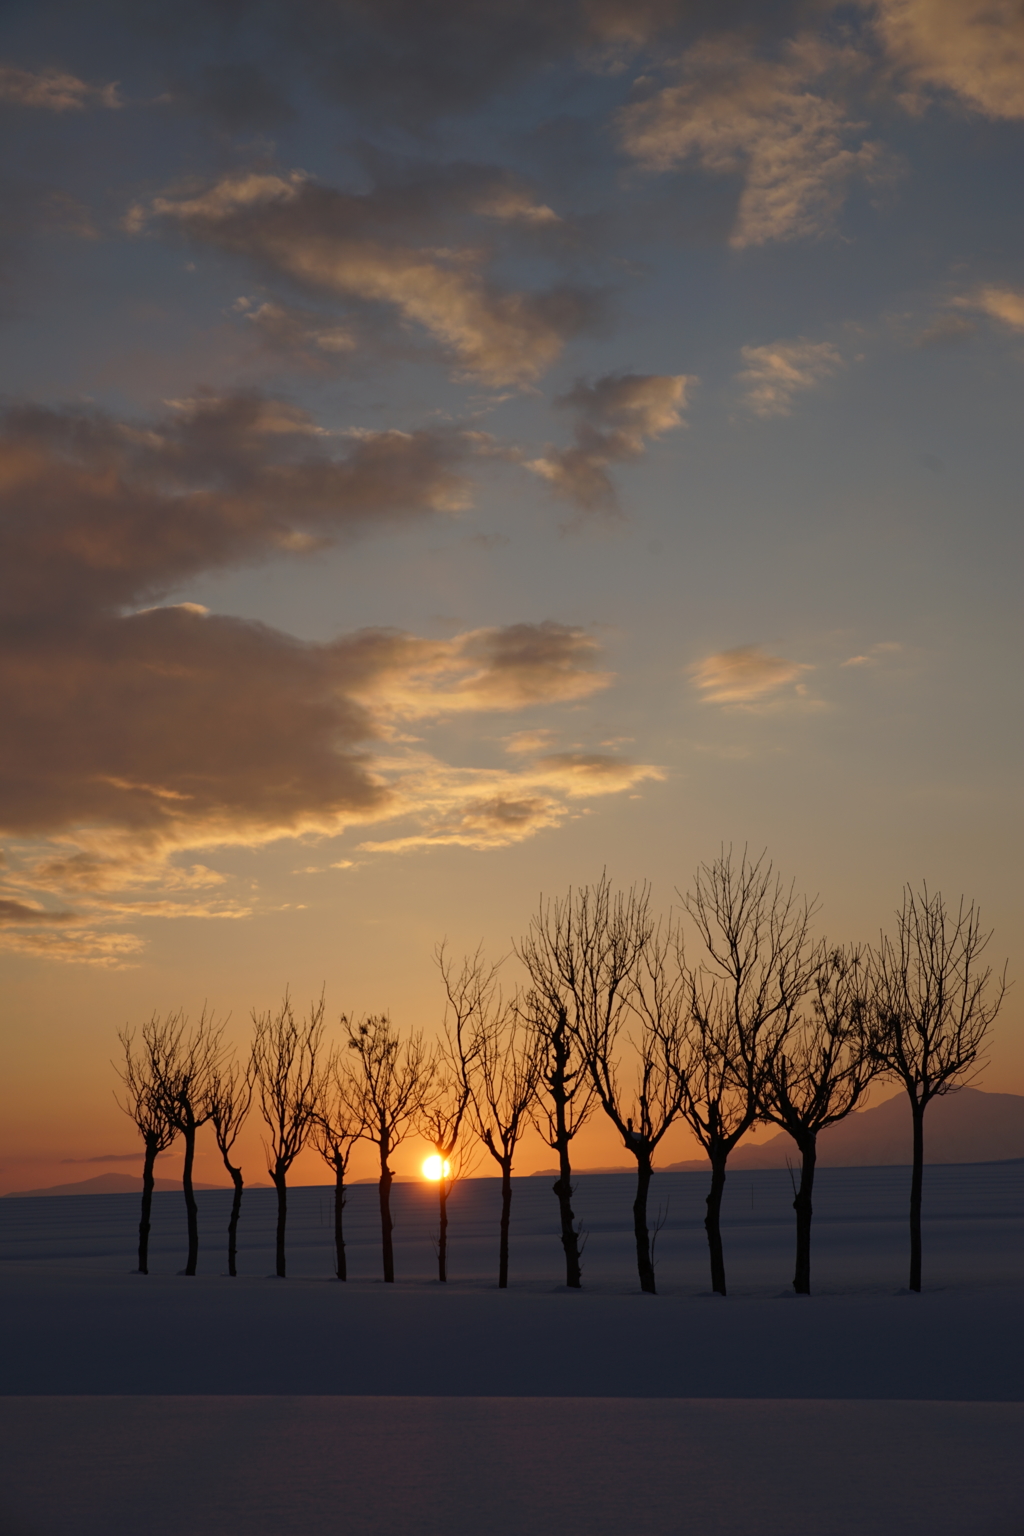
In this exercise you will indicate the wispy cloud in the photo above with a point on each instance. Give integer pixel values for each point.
(53, 90)
(1003, 304)
(773, 374)
(731, 113)
(973, 49)
(746, 675)
(617, 416)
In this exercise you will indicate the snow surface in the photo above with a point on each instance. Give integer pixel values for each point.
(255, 1405)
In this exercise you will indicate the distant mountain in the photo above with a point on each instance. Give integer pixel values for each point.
(106, 1184)
(968, 1126)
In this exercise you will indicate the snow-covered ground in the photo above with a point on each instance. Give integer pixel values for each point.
(305, 1406)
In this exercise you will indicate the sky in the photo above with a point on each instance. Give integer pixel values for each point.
(451, 449)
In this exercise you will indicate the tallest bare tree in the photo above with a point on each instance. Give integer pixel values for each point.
(934, 1001)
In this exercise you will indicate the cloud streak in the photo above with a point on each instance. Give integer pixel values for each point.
(774, 374)
(973, 49)
(732, 113)
(743, 676)
(616, 417)
(53, 90)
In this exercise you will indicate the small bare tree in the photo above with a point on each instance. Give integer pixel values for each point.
(393, 1081)
(337, 1126)
(285, 1055)
(141, 1074)
(185, 1083)
(581, 953)
(754, 934)
(933, 1002)
(228, 1101)
(818, 1074)
(503, 1082)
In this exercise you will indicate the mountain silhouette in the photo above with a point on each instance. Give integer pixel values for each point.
(106, 1184)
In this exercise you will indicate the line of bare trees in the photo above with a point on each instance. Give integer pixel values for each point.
(755, 1021)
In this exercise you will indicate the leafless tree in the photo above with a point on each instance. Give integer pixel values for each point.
(184, 1084)
(818, 1073)
(337, 1125)
(141, 1074)
(228, 1101)
(754, 935)
(580, 953)
(393, 1081)
(643, 1110)
(933, 1001)
(285, 1057)
(503, 1082)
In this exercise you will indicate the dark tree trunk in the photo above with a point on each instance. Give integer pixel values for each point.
(804, 1211)
(506, 1212)
(916, 1182)
(644, 1264)
(147, 1207)
(384, 1195)
(442, 1228)
(570, 1236)
(191, 1209)
(713, 1223)
(340, 1266)
(236, 1211)
(280, 1184)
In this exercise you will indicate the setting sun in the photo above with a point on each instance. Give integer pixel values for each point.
(434, 1169)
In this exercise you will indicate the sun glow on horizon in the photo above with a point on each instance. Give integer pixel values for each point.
(434, 1169)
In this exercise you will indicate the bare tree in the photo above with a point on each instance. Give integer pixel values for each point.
(285, 1057)
(142, 1074)
(393, 1081)
(656, 1094)
(503, 1082)
(754, 935)
(818, 1074)
(184, 1084)
(337, 1125)
(933, 1001)
(581, 953)
(228, 1101)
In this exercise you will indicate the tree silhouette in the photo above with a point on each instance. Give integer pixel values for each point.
(933, 1003)
(337, 1126)
(142, 1073)
(284, 1059)
(818, 1073)
(580, 953)
(754, 935)
(193, 1056)
(393, 1080)
(504, 1077)
(228, 1101)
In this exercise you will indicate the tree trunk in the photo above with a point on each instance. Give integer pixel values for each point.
(442, 1230)
(713, 1223)
(916, 1182)
(147, 1206)
(384, 1195)
(340, 1265)
(804, 1211)
(644, 1265)
(191, 1209)
(236, 1211)
(506, 1212)
(570, 1237)
(279, 1178)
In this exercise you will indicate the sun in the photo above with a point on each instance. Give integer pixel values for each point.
(435, 1169)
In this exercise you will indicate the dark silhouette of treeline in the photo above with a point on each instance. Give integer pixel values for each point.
(728, 1013)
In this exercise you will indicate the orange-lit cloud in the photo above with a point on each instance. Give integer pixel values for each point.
(772, 375)
(53, 90)
(1003, 304)
(382, 248)
(775, 123)
(971, 48)
(616, 416)
(745, 675)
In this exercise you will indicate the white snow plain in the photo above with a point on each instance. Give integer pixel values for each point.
(251, 1406)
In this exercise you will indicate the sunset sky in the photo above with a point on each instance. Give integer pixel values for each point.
(451, 447)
